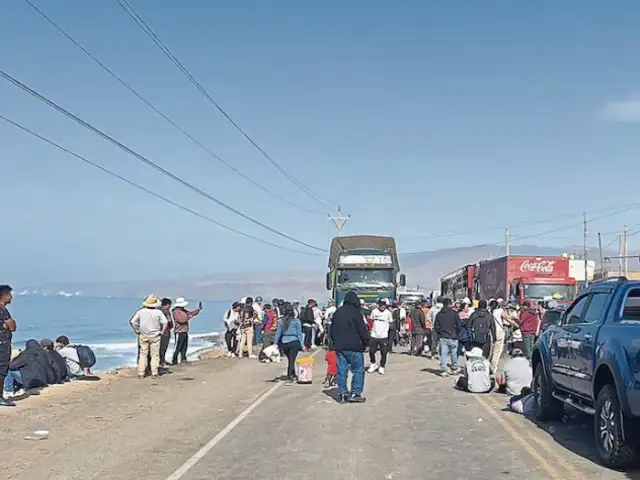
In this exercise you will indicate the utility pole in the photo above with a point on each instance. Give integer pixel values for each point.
(625, 253)
(620, 255)
(507, 241)
(339, 221)
(586, 258)
(602, 272)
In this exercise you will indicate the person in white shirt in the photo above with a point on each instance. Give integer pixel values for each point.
(382, 318)
(149, 323)
(477, 373)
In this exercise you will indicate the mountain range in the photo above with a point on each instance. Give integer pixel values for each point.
(422, 269)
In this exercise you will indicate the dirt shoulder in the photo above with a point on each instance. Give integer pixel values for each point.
(112, 428)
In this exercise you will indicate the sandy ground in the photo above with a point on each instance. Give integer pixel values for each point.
(414, 425)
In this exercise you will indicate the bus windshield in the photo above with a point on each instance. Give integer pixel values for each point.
(411, 298)
(368, 276)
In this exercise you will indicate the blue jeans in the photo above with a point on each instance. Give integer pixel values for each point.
(448, 347)
(355, 361)
(13, 378)
(257, 335)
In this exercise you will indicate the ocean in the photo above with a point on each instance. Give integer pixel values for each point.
(103, 324)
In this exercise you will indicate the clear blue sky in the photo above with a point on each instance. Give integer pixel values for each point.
(417, 117)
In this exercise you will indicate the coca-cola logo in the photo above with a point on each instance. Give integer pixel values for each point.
(541, 266)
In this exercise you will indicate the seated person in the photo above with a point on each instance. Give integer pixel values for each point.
(56, 361)
(31, 369)
(476, 377)
(517, 373)
(71, 358)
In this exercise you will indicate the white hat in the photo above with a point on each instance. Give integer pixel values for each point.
(180, 302)
(361, 302)
(475, 352)
(386, 301)
(243, 300)
(501, 300)
(466, 301)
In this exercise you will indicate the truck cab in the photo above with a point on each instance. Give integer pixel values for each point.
(536, 290)
(589, 360)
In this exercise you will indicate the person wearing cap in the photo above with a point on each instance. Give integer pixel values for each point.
(181, 319)
(476, 377)
(257, 306)
(248, 318)
(382, 319)
(149, 323)
(57, 363)
(517, 372)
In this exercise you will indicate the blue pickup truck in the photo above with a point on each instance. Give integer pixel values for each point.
(590, 360)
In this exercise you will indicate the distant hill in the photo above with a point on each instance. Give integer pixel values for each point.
(421, 268)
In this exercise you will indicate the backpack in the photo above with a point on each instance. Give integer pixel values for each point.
(480, 323)
(307, 316)
(86, 357)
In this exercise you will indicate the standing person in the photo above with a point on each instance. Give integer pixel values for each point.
(447, 326)
(258, 326)
(166, 336)
(394, 327)
(350, 337)
(499, 317)
(382, 320)
(428, 327)
(481, 329)
(289, 338)
(7, 327)
(434, 340)
(308, 321)
(248, 319)
(231, 322)
(417, 330)
(328, 315)
(181, 318)
(149, 324)
(530, 327)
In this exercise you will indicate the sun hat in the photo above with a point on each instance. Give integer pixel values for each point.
(151, 302)
(180, 302)
(475, 352)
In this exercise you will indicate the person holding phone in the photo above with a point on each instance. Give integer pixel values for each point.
(181, 319)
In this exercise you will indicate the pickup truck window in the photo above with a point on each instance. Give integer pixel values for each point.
(595, 307)
(631, 311)
(574, 314)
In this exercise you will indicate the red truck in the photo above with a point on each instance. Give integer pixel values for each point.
(458, 284)
(525, 277)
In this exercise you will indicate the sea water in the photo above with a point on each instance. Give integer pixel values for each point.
(103, 324)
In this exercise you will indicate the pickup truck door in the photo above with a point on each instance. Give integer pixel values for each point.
(584, 338)
(561, 345)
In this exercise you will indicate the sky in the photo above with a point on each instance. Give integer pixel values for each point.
(417, 118)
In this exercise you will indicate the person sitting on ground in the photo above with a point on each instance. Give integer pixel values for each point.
(518, 373)
(30, 369)
(331, 358)
(525, 403)
(56, 361)
(476, 377)
(71, 358)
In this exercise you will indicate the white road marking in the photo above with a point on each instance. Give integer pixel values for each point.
(199, 455)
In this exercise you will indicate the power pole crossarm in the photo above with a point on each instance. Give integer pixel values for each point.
(339, 221)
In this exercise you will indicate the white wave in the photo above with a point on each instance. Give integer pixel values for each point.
(114, 346)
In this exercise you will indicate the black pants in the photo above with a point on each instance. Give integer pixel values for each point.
(486, 348)
(291, 350)
(417, 343)
(374, 345)
(392, 341)
(182, 343)
(231, 339)
(5, 357)
(164, 344)
(308, 335)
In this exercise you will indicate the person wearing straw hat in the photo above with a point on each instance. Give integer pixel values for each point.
(181, 318)
(150, 324)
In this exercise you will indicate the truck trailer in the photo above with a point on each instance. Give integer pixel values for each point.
(525, 277)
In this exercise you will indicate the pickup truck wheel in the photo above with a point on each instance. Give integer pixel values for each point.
(548, 408)
(613, 450)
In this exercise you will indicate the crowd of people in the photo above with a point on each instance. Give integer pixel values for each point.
(39, 364)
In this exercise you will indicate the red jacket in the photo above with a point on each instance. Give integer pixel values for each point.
(271, 321)
(529, 322)
(332, 362)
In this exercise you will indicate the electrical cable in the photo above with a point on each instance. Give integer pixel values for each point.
(145, 160)
(163, 115)
(126, 6)
(150, 192)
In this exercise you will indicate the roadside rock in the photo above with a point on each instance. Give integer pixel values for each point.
(213, 354)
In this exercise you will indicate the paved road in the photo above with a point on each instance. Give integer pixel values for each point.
(226, 420)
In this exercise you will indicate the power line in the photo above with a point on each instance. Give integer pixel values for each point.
(145, 160)
(162, 114)
(126, 6)
(150, 192)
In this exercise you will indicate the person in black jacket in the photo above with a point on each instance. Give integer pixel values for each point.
(482, 328)
(447, 326)
(418, 325)
(33, 366)
(350, 337)
(56, 361)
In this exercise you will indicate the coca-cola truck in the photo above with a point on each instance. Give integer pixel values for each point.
(525, 277)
